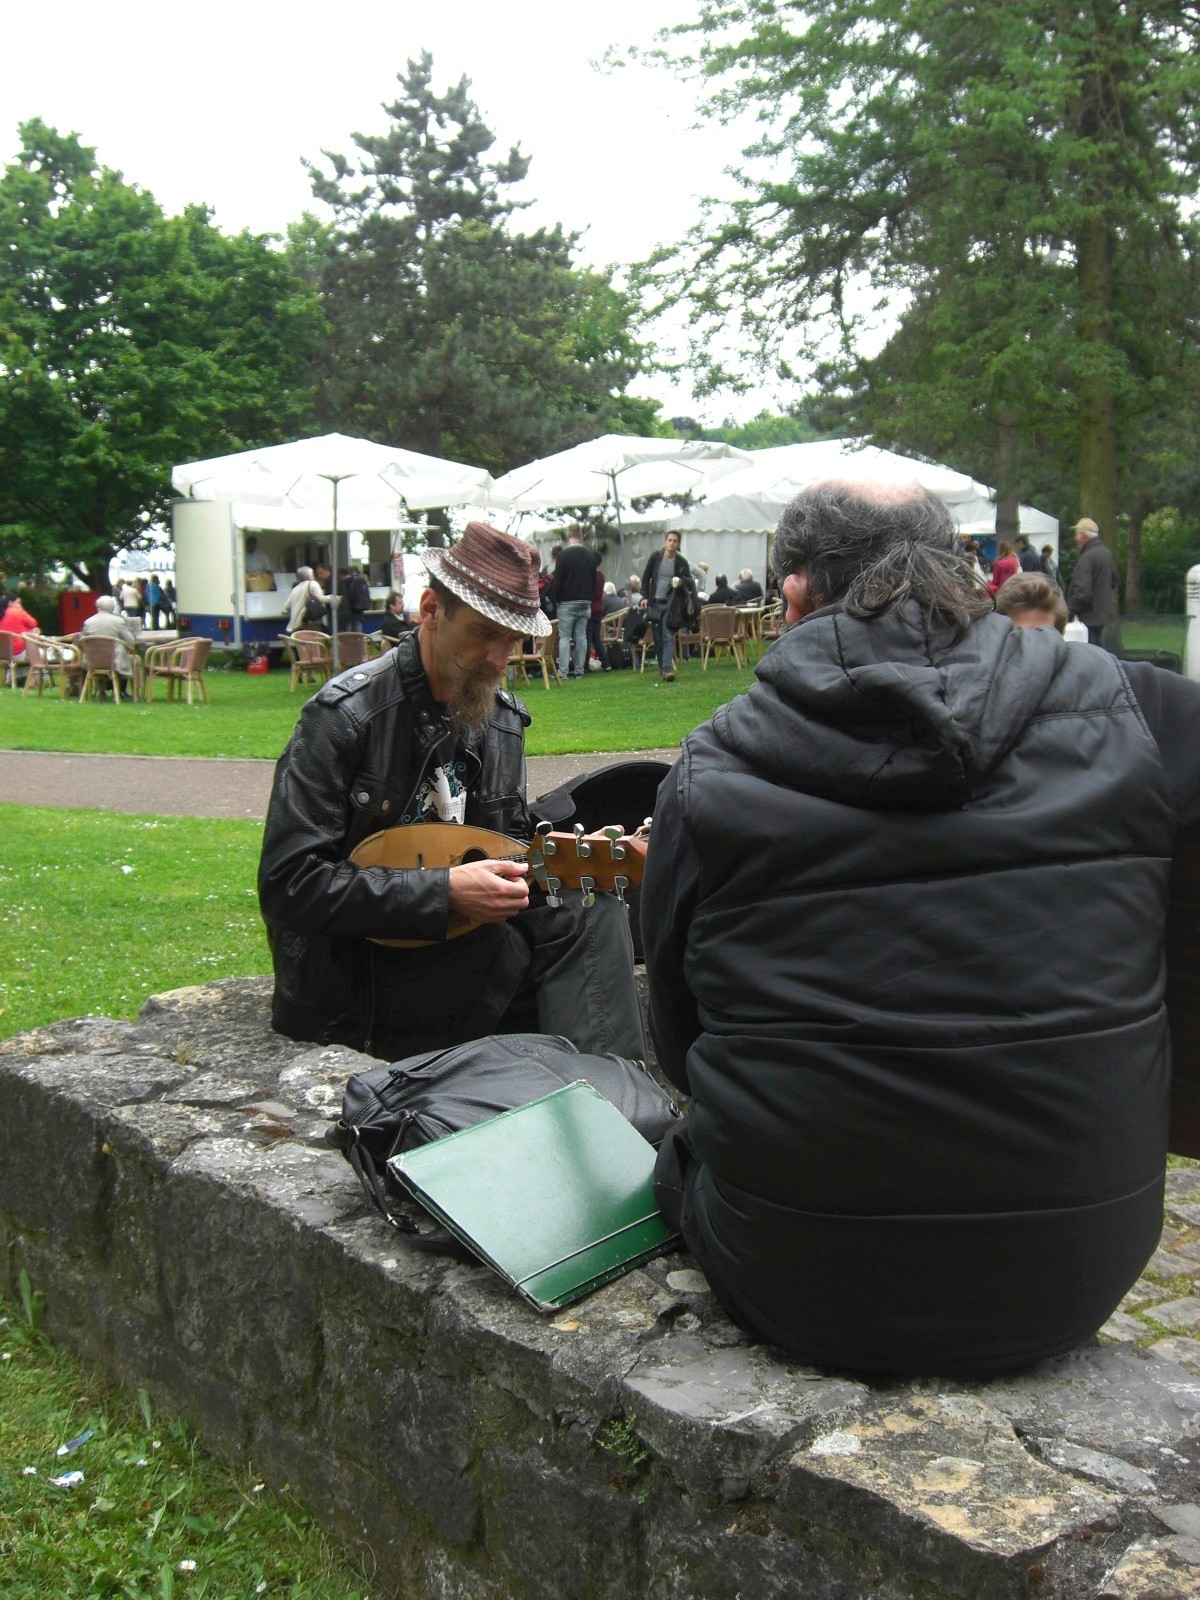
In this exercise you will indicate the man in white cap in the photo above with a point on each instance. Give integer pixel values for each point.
(1092, 587)
(429, 733)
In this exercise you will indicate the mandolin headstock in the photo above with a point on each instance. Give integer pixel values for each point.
(608, 859)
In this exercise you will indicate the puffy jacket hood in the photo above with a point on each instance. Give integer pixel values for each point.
(890, 713)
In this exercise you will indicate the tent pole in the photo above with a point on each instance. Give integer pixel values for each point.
(620, 529)
(334, 479)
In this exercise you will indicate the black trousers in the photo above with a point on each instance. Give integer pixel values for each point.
(564, 970)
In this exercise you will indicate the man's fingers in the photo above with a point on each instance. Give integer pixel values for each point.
(489, 891)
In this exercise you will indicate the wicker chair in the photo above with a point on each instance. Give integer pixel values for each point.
(540, 654)
(101, 657)
(353, 649)
(309, 658)
(50, 662)
(8, 658)
(719, 631)
(181, 663)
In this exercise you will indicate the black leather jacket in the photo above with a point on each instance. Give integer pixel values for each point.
(353, 766)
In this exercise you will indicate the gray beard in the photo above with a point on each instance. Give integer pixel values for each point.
(470, 706)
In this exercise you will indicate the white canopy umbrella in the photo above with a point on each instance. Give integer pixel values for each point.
(613, 470)
(351, 482)
(751, 500)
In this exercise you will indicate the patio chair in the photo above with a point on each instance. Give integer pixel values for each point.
(771, 624)
(353, 649)
(100, 657)
(8, 659)
(308, 653)
(718, 632)
(181, 663)
(687, 640)
(51, 661)
(540, 654)
(612, 627)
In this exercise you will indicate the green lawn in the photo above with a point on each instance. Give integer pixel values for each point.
(155, 1517)
(252, 716)
(104, 911)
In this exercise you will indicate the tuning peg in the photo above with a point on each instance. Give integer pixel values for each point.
(587, 888)
(614, 836)
(620, 884)
(553, 892)
(543, 831)
(582, 847)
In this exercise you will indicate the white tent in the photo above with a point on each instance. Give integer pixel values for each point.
(613, 470)
(731, 528)
(977, 520)
(310, 478)
(328, 484)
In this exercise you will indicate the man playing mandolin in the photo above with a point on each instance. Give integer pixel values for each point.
(429, 734)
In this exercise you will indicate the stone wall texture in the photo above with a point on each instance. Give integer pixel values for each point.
(167, 1187)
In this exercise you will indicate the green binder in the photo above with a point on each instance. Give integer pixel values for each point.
(556, 1196)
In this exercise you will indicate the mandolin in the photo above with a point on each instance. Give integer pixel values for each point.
(609, 859)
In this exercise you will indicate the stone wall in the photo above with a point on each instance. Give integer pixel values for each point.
(166, 1185)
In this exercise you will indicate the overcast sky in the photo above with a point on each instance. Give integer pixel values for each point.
(220, 103)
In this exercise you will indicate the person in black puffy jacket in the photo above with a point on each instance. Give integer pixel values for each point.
(908, 1149)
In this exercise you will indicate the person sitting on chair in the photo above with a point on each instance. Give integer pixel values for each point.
(104, 623)
(395, 619)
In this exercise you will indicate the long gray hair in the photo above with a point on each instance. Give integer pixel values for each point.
(868, 551)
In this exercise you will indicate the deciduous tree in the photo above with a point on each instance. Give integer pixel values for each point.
(1010, 180)
(129, 341)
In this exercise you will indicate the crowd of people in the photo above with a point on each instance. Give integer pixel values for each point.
(147, 602)
(663, 601)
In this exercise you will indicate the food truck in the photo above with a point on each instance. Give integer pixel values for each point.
(218, 599)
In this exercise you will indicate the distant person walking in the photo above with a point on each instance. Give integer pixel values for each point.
(574, 585)
(307, 603)
(1092, 587)
(1028, 556)
(1004, 567)
(154, 599)
(665, 571)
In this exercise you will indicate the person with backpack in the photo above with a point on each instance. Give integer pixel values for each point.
(358, 600)
(307, 603)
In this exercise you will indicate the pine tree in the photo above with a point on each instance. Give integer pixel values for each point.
(453, 333)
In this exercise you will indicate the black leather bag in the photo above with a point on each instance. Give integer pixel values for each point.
(425, 1097)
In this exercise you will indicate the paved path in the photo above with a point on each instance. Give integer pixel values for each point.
(164, 786)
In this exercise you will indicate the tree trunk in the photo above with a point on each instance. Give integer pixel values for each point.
(1097, 396)
(1008, 494)
(94, 575)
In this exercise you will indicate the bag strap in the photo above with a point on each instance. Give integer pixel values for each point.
(367, 1174)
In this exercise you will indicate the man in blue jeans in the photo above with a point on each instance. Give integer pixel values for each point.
(665, 570)
(574, 585)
